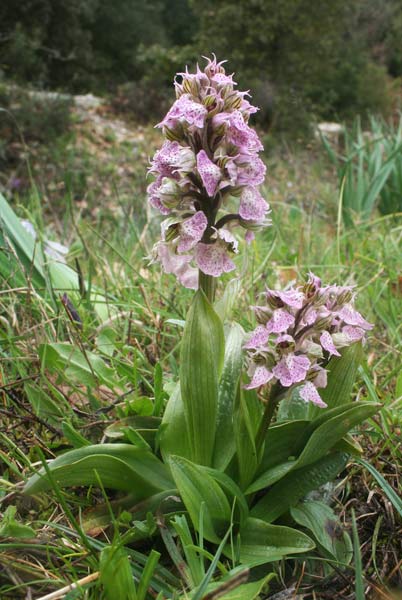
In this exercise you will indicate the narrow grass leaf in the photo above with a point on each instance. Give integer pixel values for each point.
(385, 486)
(359, 580)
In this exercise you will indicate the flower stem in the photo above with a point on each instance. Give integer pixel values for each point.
(207, 283)
(270, 406)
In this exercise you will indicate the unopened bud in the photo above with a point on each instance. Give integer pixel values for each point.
(174, 135)
(321, 299)
(285, 343)
(209, 101)
(249, 225)
(190, 86)
(169, 193)
(262, 314)
(323, 323)
(171, 232)
(233, 102)
(220, 131)
(344, 297)
(273, 301)
(312, 349)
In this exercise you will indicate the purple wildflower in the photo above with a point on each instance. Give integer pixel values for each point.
(209, 161)
(299, 330)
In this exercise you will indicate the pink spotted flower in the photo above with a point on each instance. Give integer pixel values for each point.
(207, 175)
(299, 330)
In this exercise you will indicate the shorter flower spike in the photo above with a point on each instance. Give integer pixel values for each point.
(300, 330)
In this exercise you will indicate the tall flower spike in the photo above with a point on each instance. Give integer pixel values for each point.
(207, 175)
(313, 322)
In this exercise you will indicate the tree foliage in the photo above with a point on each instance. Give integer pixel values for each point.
(328, 59)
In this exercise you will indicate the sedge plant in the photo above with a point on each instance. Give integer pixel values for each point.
(230, 466)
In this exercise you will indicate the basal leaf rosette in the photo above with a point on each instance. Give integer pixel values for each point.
(299, 330)
(207, 176)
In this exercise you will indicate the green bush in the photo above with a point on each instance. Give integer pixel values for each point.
(37, 116)
(30, 118)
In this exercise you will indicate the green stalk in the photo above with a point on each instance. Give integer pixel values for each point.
(270, 406)
(207, 284)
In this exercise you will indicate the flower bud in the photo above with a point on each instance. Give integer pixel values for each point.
(175, 134)
(323, 323)
(190, 86)
(250, 225)
(312, 286)
(312, 349)
(262, 314)
(273, 301)
(344, 297)
(285, 343)
(321, 299)
(233, 102)
(209, 101)
(169, 193)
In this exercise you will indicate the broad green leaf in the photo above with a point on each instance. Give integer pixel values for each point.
(202, 495)
(271, 476)
(44, 273)
(321, 520)
(225, 445)
(349, 445)
(119, 466)
(260, 543)
(29, 252)
(202, 354)
(294, 486)
(173, 436)
(232, 491)
(87, 368)
(281, 443)
(147, 427)
(333, 430)
(324, 416)
(329, 435)
(342, 374)
(44, 406)
(247, 418)
(9, 527)
(246, 591)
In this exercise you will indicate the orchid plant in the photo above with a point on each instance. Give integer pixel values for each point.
(258, 419)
